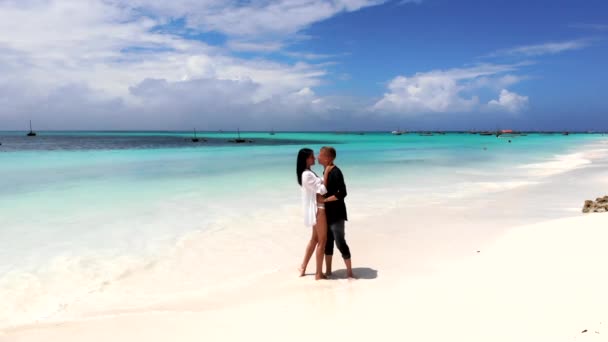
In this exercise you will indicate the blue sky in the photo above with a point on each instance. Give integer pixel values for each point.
(439, 34)
(303, 64)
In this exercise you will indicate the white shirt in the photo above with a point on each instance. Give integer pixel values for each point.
(311, 186)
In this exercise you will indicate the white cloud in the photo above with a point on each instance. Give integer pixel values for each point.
(158, 104)
(426, 93)
(549, 48)
(253, 18)
(303, 100)
(441, 91)
(496, 83)
(102, 55)
(238, 45)
(509, 101)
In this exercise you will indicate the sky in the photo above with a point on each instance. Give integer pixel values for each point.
(303, 64)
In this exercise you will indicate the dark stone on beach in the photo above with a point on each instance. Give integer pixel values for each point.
(587, 206)
(584, 331)
(600, 205)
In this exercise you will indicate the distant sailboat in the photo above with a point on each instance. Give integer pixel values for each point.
(397, 132)
(238, 140)
(195, 139)
(31, 133)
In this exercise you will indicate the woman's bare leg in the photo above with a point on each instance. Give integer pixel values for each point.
(321, 228)
(310, 248)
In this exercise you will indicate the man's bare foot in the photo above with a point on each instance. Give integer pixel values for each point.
(328, 274)
(302, 271)
(350, 275)
(320, 276)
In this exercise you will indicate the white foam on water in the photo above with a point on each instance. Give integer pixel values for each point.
(559, 164)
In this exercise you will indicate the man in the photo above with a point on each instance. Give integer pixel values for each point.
(335, 210)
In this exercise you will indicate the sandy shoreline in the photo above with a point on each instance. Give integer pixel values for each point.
(524, 287)
(538, 276)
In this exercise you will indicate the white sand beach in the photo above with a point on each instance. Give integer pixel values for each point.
(520, 263)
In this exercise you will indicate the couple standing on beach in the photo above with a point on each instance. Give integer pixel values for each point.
(324, 210)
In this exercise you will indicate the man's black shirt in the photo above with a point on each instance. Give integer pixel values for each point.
(335, 210)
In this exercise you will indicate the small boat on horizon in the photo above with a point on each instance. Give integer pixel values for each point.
(397, 132)
(31, 133)
(239, 140)
(504, 133)
(195, 138)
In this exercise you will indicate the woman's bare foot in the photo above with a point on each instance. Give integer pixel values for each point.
(350, 275)
(320, 276)
(328, 274)
(302, 271)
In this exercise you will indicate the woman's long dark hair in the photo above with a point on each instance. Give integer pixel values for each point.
(301, 166)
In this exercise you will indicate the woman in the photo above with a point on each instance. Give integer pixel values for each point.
(313, 188)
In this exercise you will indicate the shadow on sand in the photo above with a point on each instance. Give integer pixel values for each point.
(359, 272)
